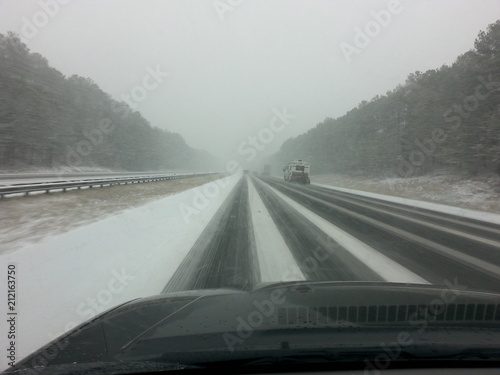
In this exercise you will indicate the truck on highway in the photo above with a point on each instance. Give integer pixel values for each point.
(267, 170)
(297, 171)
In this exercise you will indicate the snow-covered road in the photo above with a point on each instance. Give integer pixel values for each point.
(237, 232)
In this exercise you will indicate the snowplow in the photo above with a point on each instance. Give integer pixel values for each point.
(297, 171)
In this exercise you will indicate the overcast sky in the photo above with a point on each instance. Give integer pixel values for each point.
(232, 65)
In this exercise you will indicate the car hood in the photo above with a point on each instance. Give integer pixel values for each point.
(178, 327)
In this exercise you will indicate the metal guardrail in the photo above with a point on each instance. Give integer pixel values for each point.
(66, 185)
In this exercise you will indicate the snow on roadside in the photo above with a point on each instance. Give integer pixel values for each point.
(28, 219)
(65, 279)
(475, 198)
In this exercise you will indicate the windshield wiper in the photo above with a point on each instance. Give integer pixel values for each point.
(107, 368)
(158, 323)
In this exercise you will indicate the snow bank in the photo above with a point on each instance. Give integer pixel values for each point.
(473, 198)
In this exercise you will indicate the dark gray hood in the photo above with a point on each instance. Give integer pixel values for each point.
(198, 326)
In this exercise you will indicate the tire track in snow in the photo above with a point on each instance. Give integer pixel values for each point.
(383, 266)
(224, 256)
(320, 256)
(420, 251)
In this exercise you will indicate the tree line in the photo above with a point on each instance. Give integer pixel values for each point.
(48, 120)
(446, 119)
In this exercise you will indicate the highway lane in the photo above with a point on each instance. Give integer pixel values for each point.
(224, 255)
(434, 250)
(302, 236)
(339, 236)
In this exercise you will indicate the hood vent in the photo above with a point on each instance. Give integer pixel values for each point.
(383, 314)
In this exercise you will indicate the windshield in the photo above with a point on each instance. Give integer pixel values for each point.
(210, 149)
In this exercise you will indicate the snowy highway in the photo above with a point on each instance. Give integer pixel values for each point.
(336, 236)
(239, 232)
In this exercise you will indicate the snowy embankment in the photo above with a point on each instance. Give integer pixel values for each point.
(65, 279)
(29, 219)
(458, 194)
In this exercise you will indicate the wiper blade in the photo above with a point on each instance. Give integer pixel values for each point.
(158, 323)
(106, 368)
